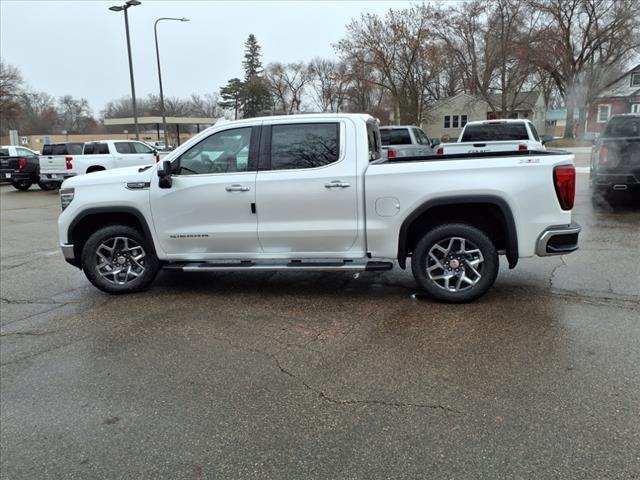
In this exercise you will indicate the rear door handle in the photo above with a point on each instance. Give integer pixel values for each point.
(236, 188)
(337, 184)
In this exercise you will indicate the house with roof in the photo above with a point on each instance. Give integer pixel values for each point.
(620, 96)
(446, 118)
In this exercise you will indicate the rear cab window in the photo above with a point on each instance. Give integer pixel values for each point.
(304, 145)
(622, 127)
(395, 136)
(488, 132)
(375, 144)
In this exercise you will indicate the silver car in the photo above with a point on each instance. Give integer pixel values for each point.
(406, 141)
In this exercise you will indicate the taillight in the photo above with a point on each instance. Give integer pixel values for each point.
(603, 154)
(22, 162)
(564, 179)
(392, 154)
(522, 148)
(440, 151)
(68, 162)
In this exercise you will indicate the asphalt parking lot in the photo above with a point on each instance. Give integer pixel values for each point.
(283, 375)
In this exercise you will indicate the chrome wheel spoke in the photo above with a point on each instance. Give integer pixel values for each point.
(454, 264)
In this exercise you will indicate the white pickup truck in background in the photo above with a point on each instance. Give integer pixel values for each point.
(405, 141)
(313, 192)
(96, 156)
(494, 136)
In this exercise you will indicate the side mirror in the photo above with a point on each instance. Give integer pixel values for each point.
(164, 175)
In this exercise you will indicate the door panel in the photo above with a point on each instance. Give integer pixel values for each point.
(207, 212)
(308, 210)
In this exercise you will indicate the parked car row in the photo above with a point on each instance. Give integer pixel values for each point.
(58, 161)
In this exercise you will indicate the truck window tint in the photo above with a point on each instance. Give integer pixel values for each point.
(138, 147)
(534, 132)
(47, 149)
(395, 136)
(89, 148)
(375, 146)
(4, 152)
(622, 127)
(123, 147)
(304, 145)
(495, 132)
(74, 148)
(60, 149)
(222, 152)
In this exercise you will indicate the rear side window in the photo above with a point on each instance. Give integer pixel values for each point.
(47, 149)
(623, 127)
(124, 147)
(96, 148)
(74, 148)
(488, 132)
(375, 146)
(304, 145)
(395, 136)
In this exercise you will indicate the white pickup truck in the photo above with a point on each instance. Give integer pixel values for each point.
(494, 136)
(312, 192)
(94, 157)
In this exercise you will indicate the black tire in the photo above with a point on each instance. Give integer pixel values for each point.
(481, 254)
(22, 185)
(46, 186)
(104, 236)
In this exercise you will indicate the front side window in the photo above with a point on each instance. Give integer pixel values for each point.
(421, 137)
(304, 145)
(603, 113)
(222, 152)
(124, 147)
(138, 147)
(24, 151)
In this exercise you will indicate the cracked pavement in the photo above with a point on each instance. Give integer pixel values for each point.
(320, 375)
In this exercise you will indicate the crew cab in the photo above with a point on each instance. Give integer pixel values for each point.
(494, 136)
(94, 157)
(405, 141)
(313, 192)
(20, 166)
(615, 157)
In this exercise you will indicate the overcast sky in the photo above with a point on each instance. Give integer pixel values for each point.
(79, 47)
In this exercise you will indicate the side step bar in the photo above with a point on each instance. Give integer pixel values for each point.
(295, 265)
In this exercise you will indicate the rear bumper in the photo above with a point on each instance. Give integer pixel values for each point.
(615, 180)
(558, 240)
(55, 177)
(14, 176)
(69, 254)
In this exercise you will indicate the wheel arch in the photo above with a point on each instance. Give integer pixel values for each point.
(89, 220)
(95, 168)
(436, 211)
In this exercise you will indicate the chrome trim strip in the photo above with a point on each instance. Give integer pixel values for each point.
(67, 251)
(549, 233)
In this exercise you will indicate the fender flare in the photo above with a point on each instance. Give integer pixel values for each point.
(509, 223)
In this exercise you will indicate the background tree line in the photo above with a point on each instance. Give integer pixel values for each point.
(399, 65)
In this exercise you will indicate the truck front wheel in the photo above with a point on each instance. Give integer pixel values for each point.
(119, 259)
(455, 263)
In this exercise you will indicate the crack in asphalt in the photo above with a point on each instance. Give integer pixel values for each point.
(448, 411)
(555, 269)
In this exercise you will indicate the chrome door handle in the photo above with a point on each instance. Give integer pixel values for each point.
(337, 184)
(236, 188)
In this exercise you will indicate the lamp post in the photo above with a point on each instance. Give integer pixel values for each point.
(120, 8)
(164, 117)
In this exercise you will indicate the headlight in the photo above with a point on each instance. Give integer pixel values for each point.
(66, 196)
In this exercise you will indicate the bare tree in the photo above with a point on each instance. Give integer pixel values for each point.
(287, 83)
(578, 40)
(75, 114)
(329, 84)
(38, 112)
(206, 106)
(10, 90)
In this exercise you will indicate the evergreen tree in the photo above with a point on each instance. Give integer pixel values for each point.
(232, 95)
(252, 63)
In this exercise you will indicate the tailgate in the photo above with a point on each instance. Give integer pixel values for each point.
(53, 164)
(9, 163)
(481, 147)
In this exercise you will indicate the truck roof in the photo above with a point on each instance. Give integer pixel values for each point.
(300, 116)
(498, 120)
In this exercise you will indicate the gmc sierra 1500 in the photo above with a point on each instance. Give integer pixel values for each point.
(312, 192)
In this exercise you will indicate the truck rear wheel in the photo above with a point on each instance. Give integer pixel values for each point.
(48, 185)
(119, 259)
(21, 185)
(455, 263)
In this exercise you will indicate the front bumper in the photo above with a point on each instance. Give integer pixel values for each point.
(558, 240)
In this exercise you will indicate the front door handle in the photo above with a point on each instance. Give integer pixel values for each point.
(337, 184)
(236, 188)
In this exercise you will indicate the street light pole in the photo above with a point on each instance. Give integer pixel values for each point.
(125, 7)
(164, 117)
